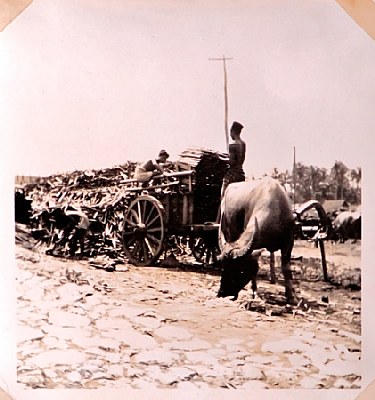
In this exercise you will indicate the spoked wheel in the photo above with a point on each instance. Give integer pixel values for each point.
(206, 249)
(144, 230)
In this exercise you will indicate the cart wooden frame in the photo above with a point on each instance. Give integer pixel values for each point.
(160, 211)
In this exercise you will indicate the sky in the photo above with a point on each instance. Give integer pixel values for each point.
(94, 84)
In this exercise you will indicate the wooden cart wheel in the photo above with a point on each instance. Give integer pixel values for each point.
(144, 230)
(205, 249)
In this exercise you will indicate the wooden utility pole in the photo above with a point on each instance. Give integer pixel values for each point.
(224, 59)
(294, 177)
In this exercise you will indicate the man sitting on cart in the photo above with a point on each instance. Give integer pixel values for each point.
(148, 169)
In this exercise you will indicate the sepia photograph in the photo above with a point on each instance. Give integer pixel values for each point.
(183, 196)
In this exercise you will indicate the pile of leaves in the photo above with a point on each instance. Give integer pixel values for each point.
(104, 196)
(101, 194)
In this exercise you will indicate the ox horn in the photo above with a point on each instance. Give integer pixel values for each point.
(240, 252)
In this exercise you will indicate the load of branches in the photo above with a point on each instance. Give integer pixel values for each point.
(103, 196)
(100, 194)
(210, 168)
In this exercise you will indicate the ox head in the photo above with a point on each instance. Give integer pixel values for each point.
(239, 263)
(237, 273)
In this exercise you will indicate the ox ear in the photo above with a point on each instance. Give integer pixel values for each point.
(257, 253)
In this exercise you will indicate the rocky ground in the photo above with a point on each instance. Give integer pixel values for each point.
(164, 327)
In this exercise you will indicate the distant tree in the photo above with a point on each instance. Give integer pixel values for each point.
(356, 176)
(313, 182)
(303, 183)
(338, 176)
(282, 177)
(275, 173)
(318, 182)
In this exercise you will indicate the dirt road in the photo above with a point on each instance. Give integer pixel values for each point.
(144, 327)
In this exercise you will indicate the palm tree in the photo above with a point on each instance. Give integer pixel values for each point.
(314, 179)
(356, 176)
(322, 182)
(338, 173)
(275, 173)
(302, 176)
(280, 176)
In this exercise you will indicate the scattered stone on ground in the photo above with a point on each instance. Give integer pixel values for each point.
(80, 326)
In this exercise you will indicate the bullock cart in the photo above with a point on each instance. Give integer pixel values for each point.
(182, 203)
(185, 203)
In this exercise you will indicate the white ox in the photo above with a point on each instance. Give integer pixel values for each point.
(255, 215)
